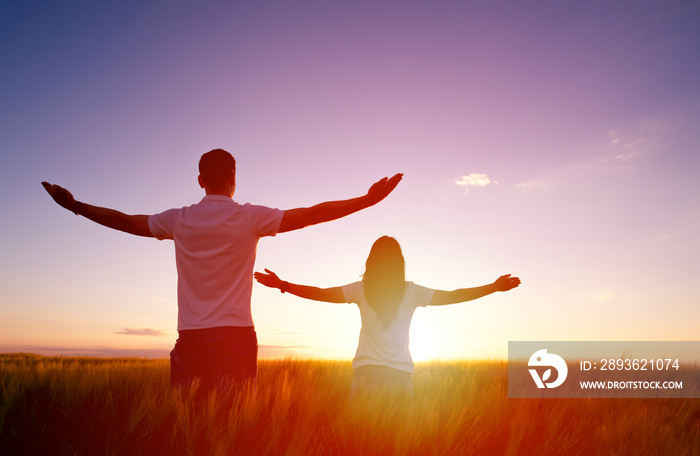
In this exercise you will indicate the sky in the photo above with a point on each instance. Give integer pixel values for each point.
(555, 141)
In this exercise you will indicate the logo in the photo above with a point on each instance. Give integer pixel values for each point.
(543, 359)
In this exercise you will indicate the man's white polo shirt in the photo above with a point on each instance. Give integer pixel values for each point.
(215, 245)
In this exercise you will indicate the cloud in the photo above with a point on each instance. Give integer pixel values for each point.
(474, 180)
(142, 332)
(531, 185)
(639, 139)
(624, 157)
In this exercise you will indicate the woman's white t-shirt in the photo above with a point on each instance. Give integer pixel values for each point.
(386, 346)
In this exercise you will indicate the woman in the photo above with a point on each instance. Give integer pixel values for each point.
(386, 303)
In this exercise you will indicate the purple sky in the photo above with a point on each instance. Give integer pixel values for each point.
(558, 143)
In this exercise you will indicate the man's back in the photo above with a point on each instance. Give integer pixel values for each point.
(215, 246)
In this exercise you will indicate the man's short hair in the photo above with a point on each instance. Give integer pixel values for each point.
(215, 167)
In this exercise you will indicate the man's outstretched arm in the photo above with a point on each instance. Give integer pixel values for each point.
(132, 224)
(294, 219)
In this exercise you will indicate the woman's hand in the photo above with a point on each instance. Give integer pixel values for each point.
(269, 280)
(506, 282)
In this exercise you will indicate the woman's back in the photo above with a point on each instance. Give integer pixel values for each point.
(386, 345)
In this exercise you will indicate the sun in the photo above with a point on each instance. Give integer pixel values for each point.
(427, 342)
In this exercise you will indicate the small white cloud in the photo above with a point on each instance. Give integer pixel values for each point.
(474, 180)
(624, 157)
(142, 332)
(531, 185)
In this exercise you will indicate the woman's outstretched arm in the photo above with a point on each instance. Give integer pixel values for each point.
(503, 283)
(270, 279)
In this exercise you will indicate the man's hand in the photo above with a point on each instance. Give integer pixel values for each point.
(506, 282)
(383, 187)
(294, 219)
(269, 280)
(63, 197)
(132, 224)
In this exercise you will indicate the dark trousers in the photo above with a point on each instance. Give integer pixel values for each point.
(214, 355)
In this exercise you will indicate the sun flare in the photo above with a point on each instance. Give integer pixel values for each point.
(426, 343)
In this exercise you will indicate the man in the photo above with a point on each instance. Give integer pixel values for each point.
(215, 245)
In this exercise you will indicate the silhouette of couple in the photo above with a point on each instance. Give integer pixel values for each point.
(215, 246)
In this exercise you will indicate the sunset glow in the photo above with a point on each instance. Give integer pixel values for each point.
(556, 143)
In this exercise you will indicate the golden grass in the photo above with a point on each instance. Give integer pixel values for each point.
(302, 407)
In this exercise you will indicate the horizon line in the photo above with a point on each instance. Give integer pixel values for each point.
(265, 352)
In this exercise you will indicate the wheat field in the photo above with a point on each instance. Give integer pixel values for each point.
(123, 406)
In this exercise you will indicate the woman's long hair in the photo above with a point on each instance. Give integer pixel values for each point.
(385, 278)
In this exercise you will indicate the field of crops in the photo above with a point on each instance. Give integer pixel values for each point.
(119, 406)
